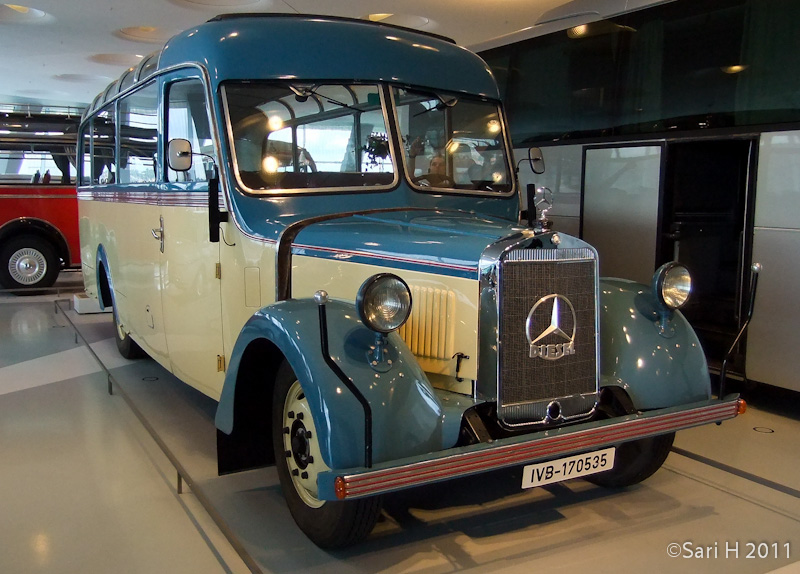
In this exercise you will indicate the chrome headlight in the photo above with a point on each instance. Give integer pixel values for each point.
(384, 302)
(672, 285)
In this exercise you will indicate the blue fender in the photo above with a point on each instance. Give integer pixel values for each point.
(657, 367)
(407, 416)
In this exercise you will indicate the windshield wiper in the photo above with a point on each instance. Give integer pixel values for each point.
(440, 106)
(302, 94)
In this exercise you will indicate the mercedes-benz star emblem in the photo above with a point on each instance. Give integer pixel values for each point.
(550, 350)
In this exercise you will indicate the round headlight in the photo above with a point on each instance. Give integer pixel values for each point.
(384, 302)
(672, 285)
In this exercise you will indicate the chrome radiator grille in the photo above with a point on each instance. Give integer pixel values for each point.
(540, 359)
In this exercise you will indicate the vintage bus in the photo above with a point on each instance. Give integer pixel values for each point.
(38, 204)
(682, 122)
(328, 243)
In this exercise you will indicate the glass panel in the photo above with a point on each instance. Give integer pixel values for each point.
(677, 66)
(303, 136)
(103, 157)
(138, 126)
(187, 118)
(18, 166)
(452, 142)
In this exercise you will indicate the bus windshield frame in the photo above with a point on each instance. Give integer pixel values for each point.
(306, 137)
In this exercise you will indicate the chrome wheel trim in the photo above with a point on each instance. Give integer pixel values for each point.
(301, 446)
(121, 333)
(27, 266)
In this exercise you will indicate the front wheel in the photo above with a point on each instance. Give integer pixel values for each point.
(635, 461)
(329, 524)
(28, 261)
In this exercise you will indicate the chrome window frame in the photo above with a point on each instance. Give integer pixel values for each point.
(288, 191)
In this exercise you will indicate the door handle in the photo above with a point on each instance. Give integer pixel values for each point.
(158, 233)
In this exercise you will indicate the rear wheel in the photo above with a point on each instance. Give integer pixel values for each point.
(28, 261)
(329, 524)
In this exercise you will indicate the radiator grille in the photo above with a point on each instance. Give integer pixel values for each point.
(527, 385)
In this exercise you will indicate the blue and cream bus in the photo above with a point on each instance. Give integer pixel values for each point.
(328, 243)
(673, 132)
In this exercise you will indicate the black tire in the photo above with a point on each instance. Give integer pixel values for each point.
(635, 461)
(28, 261)
(127, 347)
(329, 524)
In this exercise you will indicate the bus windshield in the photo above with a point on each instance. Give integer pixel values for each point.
(308, 136)
(452, 142)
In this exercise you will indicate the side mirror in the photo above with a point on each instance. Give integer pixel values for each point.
(536, 160)
(179, 155)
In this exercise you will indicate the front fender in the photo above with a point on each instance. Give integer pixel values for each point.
(656, 369)
(407, 415)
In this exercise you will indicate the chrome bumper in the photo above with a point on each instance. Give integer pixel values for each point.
(536, 447)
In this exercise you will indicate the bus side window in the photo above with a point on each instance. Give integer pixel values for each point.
(187, 118)
(104, 166)
(138, 127)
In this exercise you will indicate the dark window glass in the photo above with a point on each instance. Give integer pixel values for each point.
(684, 65)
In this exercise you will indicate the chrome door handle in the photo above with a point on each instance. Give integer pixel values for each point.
(158, 233)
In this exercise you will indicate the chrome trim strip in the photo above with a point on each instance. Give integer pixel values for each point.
(154, 197)
(398, 475)
(489, 312)
(383, 257)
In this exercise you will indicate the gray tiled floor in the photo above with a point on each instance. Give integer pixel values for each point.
(84, 489)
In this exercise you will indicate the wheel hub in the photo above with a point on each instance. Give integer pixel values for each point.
(300, 442)
(301, 448)
(27, 266)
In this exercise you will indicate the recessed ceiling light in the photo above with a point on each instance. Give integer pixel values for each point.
(734, 69)
(17, 14)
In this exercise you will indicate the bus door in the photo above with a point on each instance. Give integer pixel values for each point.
(135, 265)
(191, 297)
(706, 206)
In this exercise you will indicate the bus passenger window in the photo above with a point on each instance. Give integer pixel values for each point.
(187, 118)
(103, 160)
(138, 136)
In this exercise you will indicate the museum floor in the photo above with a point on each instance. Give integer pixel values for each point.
(86, 488)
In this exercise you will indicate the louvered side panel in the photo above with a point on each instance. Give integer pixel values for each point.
(430, 330)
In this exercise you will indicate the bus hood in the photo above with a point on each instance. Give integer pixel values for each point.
(446, 243)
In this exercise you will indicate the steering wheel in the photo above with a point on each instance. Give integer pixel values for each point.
(434, 180)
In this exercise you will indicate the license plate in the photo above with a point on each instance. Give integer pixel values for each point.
(566, 468)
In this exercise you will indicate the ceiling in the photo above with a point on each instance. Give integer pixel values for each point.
(63, 52)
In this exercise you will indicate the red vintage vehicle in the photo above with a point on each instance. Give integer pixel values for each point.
(38, 205)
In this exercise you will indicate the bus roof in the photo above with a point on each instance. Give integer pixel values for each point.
(305, 47)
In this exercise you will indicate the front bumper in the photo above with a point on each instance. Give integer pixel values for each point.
(535, 447)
